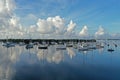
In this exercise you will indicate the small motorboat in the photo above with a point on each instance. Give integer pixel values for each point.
(115, 45)
(29, 46)
(60, 47)
(84, 49)
(69, 45)
(9, 44)
(21, 44)
(110, 50)
(42, 47)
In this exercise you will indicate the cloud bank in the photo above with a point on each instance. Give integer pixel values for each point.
(51, 27)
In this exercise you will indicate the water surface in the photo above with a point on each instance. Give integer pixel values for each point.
(18, 63)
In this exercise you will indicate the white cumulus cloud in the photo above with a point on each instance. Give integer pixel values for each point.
(84, 32)
(45, 26)
(71, 26)
(51, 25)
(58, 23)
(100, 32)
(9, 22)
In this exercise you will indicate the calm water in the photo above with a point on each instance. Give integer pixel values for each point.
(17, 63)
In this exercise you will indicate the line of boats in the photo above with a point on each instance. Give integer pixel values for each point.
(81, 46)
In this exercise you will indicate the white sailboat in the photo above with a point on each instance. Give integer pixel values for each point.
(29, 46)
(60, 47)
(8, 44)
(43, 46)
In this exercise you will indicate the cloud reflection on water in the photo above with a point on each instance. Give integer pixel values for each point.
(15, 61)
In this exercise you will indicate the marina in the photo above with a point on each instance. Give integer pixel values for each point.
(59, 39)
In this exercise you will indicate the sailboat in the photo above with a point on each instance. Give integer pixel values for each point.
(29, 46)
(8, 44)
(43, 46)
(60, 47)
(69, 44)
(22, 43)
(100, 45)
(83, 47)
(110, 49)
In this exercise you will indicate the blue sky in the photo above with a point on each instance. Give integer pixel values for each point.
(92, 13)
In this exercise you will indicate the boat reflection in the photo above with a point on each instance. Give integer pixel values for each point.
(51, 55)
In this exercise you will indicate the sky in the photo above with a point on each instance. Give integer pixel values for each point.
(48, 18)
